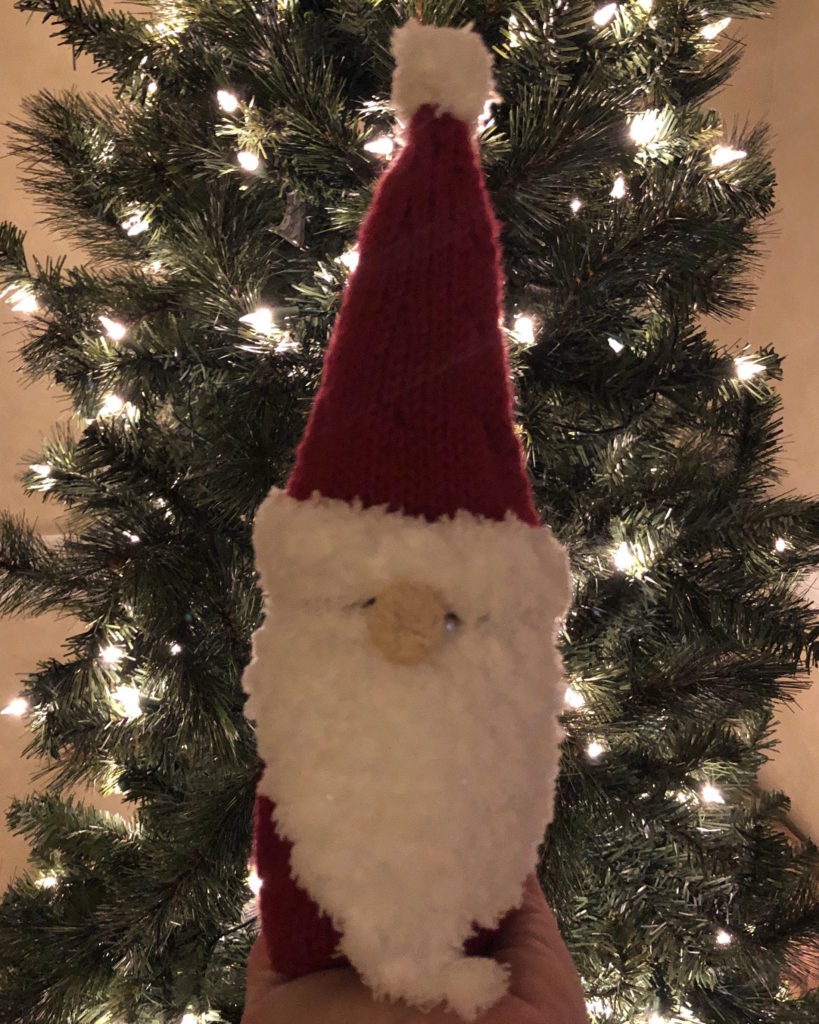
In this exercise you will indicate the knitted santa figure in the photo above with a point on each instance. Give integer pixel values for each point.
(405, 684)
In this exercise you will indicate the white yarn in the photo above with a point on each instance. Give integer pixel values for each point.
(449, 68)
(415, 796)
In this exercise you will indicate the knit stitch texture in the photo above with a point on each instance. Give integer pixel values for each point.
(415, 405)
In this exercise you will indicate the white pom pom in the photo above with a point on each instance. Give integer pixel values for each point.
(449, 68)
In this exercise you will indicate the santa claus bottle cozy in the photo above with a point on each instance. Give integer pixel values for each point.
(405, 684)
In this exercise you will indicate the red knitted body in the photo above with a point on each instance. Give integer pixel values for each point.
(299, 937)
(414, 412)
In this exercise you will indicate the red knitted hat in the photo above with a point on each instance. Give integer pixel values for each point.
(415, 406)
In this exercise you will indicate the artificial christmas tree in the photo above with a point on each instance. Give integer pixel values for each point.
(219, 194)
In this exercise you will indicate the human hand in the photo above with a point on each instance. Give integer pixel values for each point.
(544, 986)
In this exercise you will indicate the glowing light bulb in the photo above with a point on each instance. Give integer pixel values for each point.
(113, 328)
(111, 655)
(16, 707)
(780, 546)
(135, 223)
(713, 30)
(603, 15)
(514, 31)
(152, 87)
(645, 5)
(616, 346)
(748, 367)
(175, 648)
(47, 882)
(573, 698)
(711, 795)
(595, 749)
(254, 882)
(657, 1018)
(227, 101)
(724, 938)
(41, 469)
(618, 189)
(134, 538)
(260, 320)
(623, 557)
(485, 118)
(21, 299)
(349, 259)
(524, 329)
(188, 1018)
(576, 205)
(128, 699)
(248, 161)
(382, 146)
(111, 405)
(287, 344)
(26, 303)
(724, 155)
(646, 127)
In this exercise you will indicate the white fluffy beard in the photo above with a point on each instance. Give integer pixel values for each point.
(414, 796)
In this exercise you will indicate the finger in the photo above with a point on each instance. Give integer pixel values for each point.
(534, 925)
(531, 922)
(260, 973)
(339, 996)
(542, 970)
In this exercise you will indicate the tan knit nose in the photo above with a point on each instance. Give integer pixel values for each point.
(407, 622)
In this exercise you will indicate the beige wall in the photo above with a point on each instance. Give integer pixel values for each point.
(779, 80)
(30, 61)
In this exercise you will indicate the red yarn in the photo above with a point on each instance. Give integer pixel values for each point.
(300, 938)
(415, 405)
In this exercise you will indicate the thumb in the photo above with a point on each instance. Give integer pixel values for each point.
(261, 978)
(542, 970)
(533, 924)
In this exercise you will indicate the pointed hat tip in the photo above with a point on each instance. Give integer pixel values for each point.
(448, 68)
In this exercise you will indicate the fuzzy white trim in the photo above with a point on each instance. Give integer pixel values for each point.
(450, 68)
(415, 796)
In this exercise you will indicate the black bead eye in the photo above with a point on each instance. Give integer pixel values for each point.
(451, 621)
